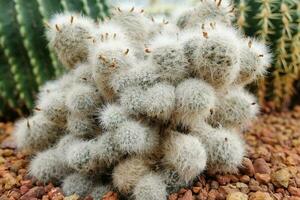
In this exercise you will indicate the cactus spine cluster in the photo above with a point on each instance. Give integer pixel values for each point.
(278, 24)
(147, 106)
(26, 61)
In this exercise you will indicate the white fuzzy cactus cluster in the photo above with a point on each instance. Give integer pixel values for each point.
(147, 106)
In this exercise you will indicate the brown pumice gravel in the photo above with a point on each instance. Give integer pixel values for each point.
(271, 171)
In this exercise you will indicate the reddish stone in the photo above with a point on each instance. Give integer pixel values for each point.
(263, 178)
(261, 166)
(24, 189)
(247, 167)
(35, 192)
(196, 190)
(294, 191)
(245, 179)
(173, 196)
(187, 196)
(223, 180)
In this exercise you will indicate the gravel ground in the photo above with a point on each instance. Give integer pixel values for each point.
(271, 171)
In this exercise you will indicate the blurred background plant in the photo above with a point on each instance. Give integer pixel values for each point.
(26, 62)
(277, 22)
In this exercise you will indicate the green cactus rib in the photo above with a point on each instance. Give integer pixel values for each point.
(101, 15)
(105, 7)
(7, 84)
(91, 8)
(14, 53)
(242, 13)
(2, 108)
(47, 8)
(72, 6)
(29, 19)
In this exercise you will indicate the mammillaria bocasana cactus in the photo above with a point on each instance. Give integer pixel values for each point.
(146, 107)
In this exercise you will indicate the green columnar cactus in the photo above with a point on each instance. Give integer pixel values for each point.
(151, 117)
(7, 84)
(15, 53)
(276, 23)
(29, 62)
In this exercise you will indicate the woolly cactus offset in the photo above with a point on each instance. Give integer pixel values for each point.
(143, 121)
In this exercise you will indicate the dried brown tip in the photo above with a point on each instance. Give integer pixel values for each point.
(28, 124)
(226, 139)
(205, 34)
(72, 19)
(253, 103)
(113, 65)
(147, 50)
(211, 111)
(203, 26)
(106, 35)
(250, 43)
(212, 25)
(126, 52)
(152, 19)
(132, 9)
(101, 57)
(84, 79)
(37, 109)
(165, 21)
(47, 25)
(57, 28)
(102, 37)
(219, 3)
(115, 35)
(260, 55)
(232, 9)
(142, 10)
(119, 9)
